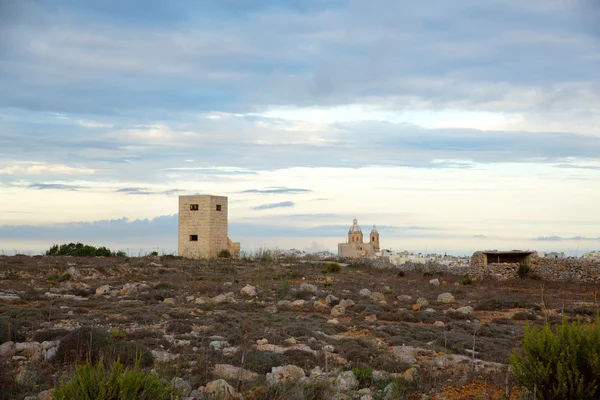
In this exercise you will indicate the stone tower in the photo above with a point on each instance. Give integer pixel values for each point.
(375, 238)
(203, 227)
(354, 233)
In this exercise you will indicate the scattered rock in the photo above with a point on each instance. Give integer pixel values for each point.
(328, 348)
(371, 318)
(376, 296)
(169, 300)
(332, 300)
(218, 345)
(227, 284)
(46, 395)
(404, 297)
(232, 373)
(272, 309)
(416, 307)
(307, 287)
(189, 299)
(224, 298)
(338, 311)
(290, 341)
(201, 300)
(262, 341)
(285, 374)
(28, 349)
(9, 296)
(298, 303)
(7, 349)
(364, 292)
(345, 382)
(346, 303)
(439, 324)
(102, 290)
(333, 321)
(446, 298)
(422, 301)
(182, 387)
(429, 310)
(467, 310)
(249, 291)
(435, 282)
(321, 305)
(404, 354)
(221, 390)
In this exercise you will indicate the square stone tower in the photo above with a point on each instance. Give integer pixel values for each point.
(203, 227)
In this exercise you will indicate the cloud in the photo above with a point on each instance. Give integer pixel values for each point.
(574, 166)
(283, 204)
(54, 186)
(34, 168)
(561, 239)
(277, 190)
(479, 237)
(145, 191)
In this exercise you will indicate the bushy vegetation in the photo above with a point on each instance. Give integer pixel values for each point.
(523, 270)
(560, 363)
(224, 254)
(98, 382)
(332, 267)
(467, 280)
(82, 250)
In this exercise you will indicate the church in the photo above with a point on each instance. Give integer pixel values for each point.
(355, 247)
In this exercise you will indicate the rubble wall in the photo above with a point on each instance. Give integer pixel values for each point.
(566, 269)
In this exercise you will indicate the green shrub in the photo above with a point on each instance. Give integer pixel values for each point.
(81, 250)
(98, 382)
(466, 280)
(154, 254)
(89, 345)
(524, 316)
(561, 363)
(364, 375)
(523, 270)
(332, 267)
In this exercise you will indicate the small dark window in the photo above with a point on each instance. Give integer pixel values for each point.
(218, 207)
(193, 207)
(193, 238)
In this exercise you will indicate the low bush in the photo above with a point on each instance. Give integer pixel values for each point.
(115, 383)
(224, 254)
(332, 267)
(561, 362)
(88, 345)
(467, 280)
(524, 316)
(523, 270)
(364, 375)
(82, 250)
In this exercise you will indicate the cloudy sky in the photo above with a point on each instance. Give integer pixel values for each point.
(453, 126)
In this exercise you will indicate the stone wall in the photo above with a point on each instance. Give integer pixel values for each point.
(567, 269)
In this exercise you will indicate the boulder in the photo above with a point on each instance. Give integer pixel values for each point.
(221, 390)
(364, 292)
(439, 324)
(377, 296)
(320, 305)
(102, 290)
(422, 301)
(403, 354)
(232, 373)
(371, 318)
(345, 382)
(46, 395)
(435, 282)
(309, 288)
(249, 291)
(446, 298)
(272, 309)
(285, 374)
(28, 349)
(338, 311)
(182, 387)
(218, 345)
(331, 300)
(404, 297)
(347, 303)
(224, 298)
(467, 310)
(298, 303)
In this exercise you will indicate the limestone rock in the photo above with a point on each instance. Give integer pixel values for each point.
(262, 341)
(371, 318)
(364, 292)
(218, 345)
(232, 373)
(347, 303)
(249, 291)
(221, 390)
(7, 349)
(102, 290)
(320, 305)
(46, 395)
(169, 300)
(285, 374)
(446, 298)
(338, 311)
(332, 300)
(345, 382)
(307, 287)
(416, 307)
(439, 324)
(467, 310)
(224, 298)
(272, 309)
(435, 282)
(377, 296)
(28, 349)
(404, 354)
(298, 303)
(182, 387)
(422, 301)
(404, 297)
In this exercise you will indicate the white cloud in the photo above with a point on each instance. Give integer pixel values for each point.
(35, 168)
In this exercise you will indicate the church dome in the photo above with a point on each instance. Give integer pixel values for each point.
(355, 227)
(374, 230)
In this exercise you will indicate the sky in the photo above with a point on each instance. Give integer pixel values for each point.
(452, 126)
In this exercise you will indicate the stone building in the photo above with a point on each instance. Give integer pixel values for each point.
(355, 247)
(202, 229)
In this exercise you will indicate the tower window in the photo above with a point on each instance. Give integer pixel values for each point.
(193, 207)
(193, 238)
(218, 207)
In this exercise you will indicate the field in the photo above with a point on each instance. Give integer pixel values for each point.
(204, 320)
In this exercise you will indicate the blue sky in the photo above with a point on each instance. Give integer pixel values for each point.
(455, 126)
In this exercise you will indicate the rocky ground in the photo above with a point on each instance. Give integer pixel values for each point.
(272, 329)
